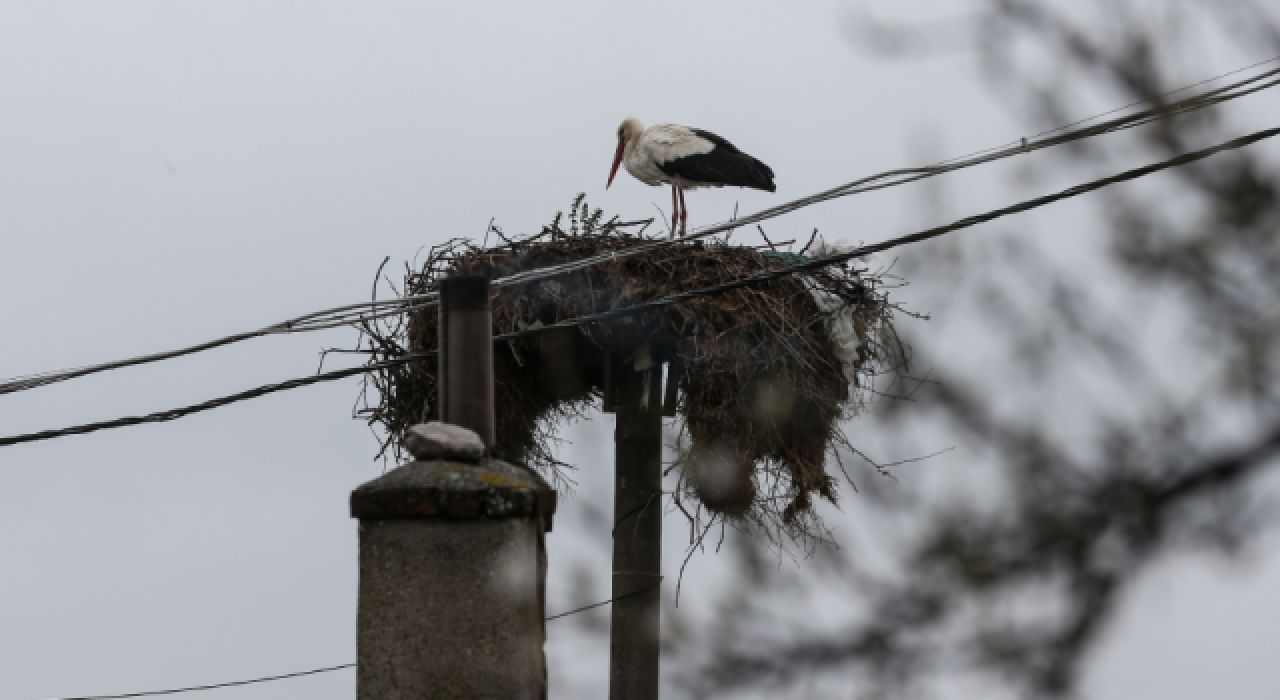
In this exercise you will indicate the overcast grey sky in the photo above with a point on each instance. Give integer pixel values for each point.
(172, 172)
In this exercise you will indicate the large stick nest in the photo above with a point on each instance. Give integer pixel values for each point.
(765, 373)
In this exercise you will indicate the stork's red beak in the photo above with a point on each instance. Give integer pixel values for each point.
(617, 160)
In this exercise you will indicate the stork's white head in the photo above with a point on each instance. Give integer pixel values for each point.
(628, 133)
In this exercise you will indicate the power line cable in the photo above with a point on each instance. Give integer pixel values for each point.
(172, 691)
(327, 669)
(176, 413)
(372, 310)
(1161, 96)
(655, 304)
(1135, 103)
(615, 599)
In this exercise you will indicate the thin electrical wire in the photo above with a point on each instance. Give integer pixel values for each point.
(365, 312)
(1162, 95)
(655, 304)
(615, 599)
(172, 691)
(327, 669)
(1095, 117)
(176, 413)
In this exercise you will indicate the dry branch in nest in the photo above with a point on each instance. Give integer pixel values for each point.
(765, 373)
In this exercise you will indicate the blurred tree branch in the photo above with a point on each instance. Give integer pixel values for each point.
(1101, 478)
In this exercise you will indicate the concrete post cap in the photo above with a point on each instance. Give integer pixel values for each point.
(453, 490)
(436, 440)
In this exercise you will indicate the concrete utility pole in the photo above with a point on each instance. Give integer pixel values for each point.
(452, 546)
(634, 391)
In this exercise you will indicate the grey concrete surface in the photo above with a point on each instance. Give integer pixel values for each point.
(451, 609)
(452, 582)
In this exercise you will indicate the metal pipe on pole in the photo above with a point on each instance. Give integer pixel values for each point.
(466, 355)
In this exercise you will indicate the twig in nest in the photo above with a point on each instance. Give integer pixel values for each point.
(812, 238)
(692, 549)
(766, 238)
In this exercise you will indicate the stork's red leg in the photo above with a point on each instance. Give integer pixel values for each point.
(675, 211)
(684, 212)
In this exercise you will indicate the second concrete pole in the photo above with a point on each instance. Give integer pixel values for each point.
(637, 533)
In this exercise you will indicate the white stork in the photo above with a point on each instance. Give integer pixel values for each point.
(685, 158)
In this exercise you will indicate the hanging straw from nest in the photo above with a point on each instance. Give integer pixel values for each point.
(765, 373)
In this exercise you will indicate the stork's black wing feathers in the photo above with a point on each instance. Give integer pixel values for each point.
(723, 165)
